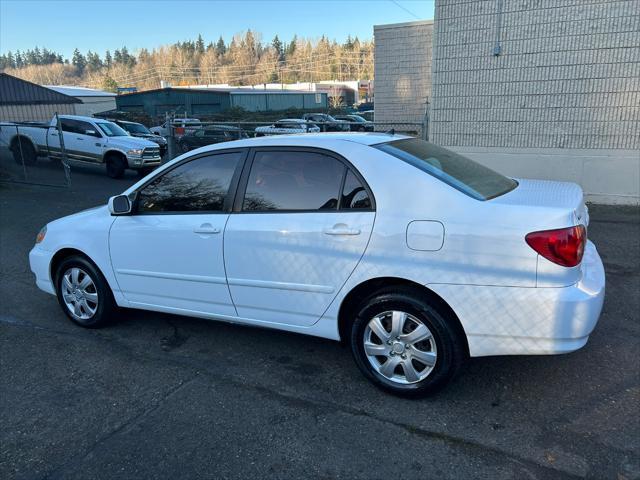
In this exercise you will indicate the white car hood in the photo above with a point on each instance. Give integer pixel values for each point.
(130, 142)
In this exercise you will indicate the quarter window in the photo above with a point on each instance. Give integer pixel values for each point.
(293, 181)
(200, 185)
(354, 195)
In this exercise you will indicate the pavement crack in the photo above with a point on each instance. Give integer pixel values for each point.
(58, 472)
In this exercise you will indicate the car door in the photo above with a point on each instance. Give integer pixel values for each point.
(168, 253)
(80, 140)
(295, 235)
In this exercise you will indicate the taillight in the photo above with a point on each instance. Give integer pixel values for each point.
(563, 246)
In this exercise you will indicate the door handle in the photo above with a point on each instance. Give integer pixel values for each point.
(98, 144)
(54, 134)
(79, 138)
(206, 229)
(341, 231)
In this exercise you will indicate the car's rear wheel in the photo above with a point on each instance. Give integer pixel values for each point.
(24, 152)
(83, 293)
(404, 344)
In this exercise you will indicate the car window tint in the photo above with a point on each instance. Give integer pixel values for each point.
(200, 185)
(293, 181)
(458, 171)
(354, 195)
(69, 125)
(82, 127)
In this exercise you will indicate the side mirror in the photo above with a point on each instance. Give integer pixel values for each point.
(119, 205)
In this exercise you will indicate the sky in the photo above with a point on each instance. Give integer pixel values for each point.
(98, 25)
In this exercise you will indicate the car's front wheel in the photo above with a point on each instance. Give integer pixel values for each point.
(83, 293)
(404, 344)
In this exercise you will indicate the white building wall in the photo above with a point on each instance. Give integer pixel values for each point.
(95, 104)
(561, 101)
(402, 71)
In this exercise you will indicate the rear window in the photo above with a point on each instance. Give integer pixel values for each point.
(460, 172)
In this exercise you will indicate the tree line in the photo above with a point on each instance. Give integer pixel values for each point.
(245, 60)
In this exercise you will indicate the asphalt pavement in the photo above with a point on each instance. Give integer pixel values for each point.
(163, 396)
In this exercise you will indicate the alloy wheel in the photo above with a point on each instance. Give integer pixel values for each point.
(79, 293)
(400, 347)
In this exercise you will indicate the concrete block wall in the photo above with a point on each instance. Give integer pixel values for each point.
(560, 101)
(402, 71)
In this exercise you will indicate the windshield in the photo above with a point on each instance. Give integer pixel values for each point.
(460, 172)
(357, 118)
(135, 128)
(112, 130)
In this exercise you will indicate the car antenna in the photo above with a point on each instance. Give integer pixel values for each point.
(391, 132)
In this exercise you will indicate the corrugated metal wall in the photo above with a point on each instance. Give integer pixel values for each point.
(158, 102)
(91, 105)
(274, 101)
(34, 113)
(198, 102)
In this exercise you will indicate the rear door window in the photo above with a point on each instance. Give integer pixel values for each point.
(293, 181)
(460, 172)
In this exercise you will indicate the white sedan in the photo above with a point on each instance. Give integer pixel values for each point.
(416, 256)
(287, 126)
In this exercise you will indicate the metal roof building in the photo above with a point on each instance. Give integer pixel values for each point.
(25, 101)
(207, 101)
(92, 100)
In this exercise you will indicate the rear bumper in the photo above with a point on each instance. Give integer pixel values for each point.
(39, 261)
(530, 321)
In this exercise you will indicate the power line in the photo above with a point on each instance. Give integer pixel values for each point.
(405, 9)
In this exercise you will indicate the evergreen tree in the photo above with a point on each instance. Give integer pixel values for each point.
(291, 48)
(278, 47)
(78, 61)
(107, 59)
(221, 47)
(109, 84)
(200, 45)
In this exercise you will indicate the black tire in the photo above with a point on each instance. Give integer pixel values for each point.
(361, 129)
(143, 172)
(116, 165)
(23, 150)
(184, 148)
(449, 347)
(105, 309)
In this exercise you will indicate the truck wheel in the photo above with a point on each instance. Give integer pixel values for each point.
(23, 151)
(115, 166)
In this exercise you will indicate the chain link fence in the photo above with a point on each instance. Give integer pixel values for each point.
(182, 139)
(35, 153)
(28, 154)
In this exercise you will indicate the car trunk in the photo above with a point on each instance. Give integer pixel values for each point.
(547, 205)
(552, 200)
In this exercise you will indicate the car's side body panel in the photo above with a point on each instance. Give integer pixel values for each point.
(288, 267)
(281, 276)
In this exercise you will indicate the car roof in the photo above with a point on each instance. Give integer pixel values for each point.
(320, 140)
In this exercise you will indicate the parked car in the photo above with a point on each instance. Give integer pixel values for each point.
(414, 255)
(367, 115)
(136, 129)
(86, 139)
(326, 122)
(356, 123)
(210, 135)
(287, 125)
(181, 126)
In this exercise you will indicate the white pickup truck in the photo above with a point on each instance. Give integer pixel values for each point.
(86, 139)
